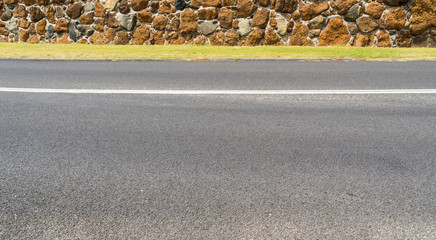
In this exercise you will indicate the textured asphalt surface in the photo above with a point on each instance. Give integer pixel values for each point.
(107, 166)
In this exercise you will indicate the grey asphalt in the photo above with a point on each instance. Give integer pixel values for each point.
(113, 166)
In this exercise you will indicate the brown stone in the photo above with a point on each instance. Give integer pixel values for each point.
(23, 35)
(225, 18)
(63, 39)
(29, 2)
(207, 13)
(82, 41)
(111, 21)
(433, 32)
(33, 39)
(195, 4)
(214, 40)
(286, 6)
(36, 14)
(160, 22)
(394, 2)
(342, 6)
(145, 16)
(97, 39)
(154, 7)
(50, 15)
(200, 40)
(87, 18)
(141, 34)
(309, 11)
(231, 38)
(290, 26)
(366, 24)
(61, 26)
(296, 15)
(363, 40)
(395, 19)
(188, 22)
(245, 8)
(375, 10)
(32, 29)
(423, 16)
(23, 23)
(261, 18)
(165, 8)
(334, 34)
(109, 34)
(254, 38)
(20, 11)
(273, 22)
(299, 36)
(123, 6)
(271, 37)
(40, 27)
(74, 11)
(139, 5)
(174, 25)
(44, 2)
(99, 10)
(10, 2)
(228, 2)
(383, 39)
(212, 3)
(264, 3)
(122, 38)
(158, 38)
(178, 41)
(404, 39)
(99, 24)
(1, 4)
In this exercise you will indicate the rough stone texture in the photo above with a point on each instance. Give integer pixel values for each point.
(231, 38)
(352, 28)
(160, 22)
(352, 13)
(188, 21)
(61, 26)
(111, 21)
(63, 39)
(404, 39)
(364, 40)
(342, 6)
(375, 9)
(87, 18)
(394, 2)
(145, 16)
(138, 5)
(261, 18)
(36, 14)
(254, 38)
(395, 19)
(122, 38)
(271, 37)
(207, 14)
(282, 24)
(383, 39)
(141, 34)
(20, 11)
(299, 36)
(211, 3)
(110, 4)
(123, 6)
(285, 6)
(366, 24)
(97, 38)
(309, 11)
(423, 16)
(207, 27)
(226, 18)
(74, 11)
(126, 21)
(40, 27)
(244, 27)
(99, 10)
(245, 8)
(334, 34)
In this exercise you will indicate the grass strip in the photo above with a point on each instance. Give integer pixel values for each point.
(193, 52)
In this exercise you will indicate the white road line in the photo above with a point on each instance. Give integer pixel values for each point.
(219, 92)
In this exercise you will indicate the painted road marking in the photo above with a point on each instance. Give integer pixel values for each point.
(220, 92)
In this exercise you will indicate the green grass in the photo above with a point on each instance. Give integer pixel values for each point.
(78, 51)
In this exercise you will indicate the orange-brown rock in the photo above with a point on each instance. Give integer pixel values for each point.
(20, 11)
(141, 34)
(122, 38)
(286, 6)
(10, 2)
(245, 8)
(160, 22)
(29, 2)
(63, 39)
(299, 36)
(87, 18)
(363, 40)
(366, 24)
(212, 3)
(45, 2)
(33, 39)
(61, 26)
(334, 34)
(226, 18)
(200, 40)
(36, 14)
(195, 4)
(174, 24)
(40, 27)
(207, 14)
(309, 11)
(395, 19)
(290, 26)
(254, 38)
(231, 38)
(50, 15)
(74, 11)
(261, 18)
(165, 7)
(271, 37)
(158, 38)
(404, 39)
(423, 16)
(111, 21)
(394, 2)
(214, 40)
(375, 10)
(154, 7)
(99, 24)
(383, 39)
(188, 22)
(23, 35)
(97, 38)
(82, 41)
(139, 5)
(123, 6)
(145, 16)
(99, 10)
(23, 23)
(109, 34)
(264, 3)
(342, 6)
(228, 2)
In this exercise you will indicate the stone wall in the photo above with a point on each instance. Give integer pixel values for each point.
(382, 23)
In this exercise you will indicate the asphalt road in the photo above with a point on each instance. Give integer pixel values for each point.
(120, 166)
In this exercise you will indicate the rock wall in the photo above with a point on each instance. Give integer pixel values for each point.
(382, 23)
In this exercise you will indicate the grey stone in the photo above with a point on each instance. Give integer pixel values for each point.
(127, 21)
(13, 27)
(88, 7)
(424, 41)
(317, 23)
(59, 12)
(352, 28)
(244, 27)
(72, 32)
(282, 24)
(50, 31)
(207, 27)
(85, 30)
(6, 14)
(352, 14)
